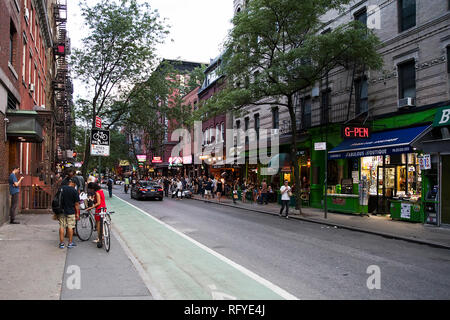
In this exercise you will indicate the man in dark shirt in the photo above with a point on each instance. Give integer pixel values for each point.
(71, 207)
(14, 190)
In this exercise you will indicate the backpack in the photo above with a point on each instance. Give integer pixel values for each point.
(109, 183)
(57, 203)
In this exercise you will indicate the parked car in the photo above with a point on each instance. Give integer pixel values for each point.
(147, 190)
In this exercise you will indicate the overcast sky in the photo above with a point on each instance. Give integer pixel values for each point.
(198, 27)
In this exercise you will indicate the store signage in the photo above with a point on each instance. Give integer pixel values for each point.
(370, 153)
(187, 159)
(157, 160)
(442, 117)
(175, 161)
(124, 163)
(100, 142)
(141, 158)
(425, 162)
(405, 212)
(352, 132)
(320, 146)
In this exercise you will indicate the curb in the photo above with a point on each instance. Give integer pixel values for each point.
(378, 233)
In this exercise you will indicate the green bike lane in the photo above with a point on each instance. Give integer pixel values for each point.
(180, 268)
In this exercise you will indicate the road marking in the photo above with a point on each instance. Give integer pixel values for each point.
(281, 292)
(144, 276)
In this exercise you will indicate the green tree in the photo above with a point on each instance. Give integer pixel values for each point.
(276, 49)
(118, 52)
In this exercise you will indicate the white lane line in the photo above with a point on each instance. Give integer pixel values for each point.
(281, 292)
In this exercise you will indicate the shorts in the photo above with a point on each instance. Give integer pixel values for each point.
(208, 192)
(66, 221)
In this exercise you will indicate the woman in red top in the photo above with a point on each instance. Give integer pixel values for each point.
(99, 203)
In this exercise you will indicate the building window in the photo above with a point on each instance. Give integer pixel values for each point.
(362, 96)
(407, 14)
(222, 130)
(24, 58)
(238, 124)
(325, 104)
(256, 117)
(361, 16)
(247, 123)
(448, 58)
(12, 43)
(218, 134)
(407, 79)
(306, 113)
(275, 118)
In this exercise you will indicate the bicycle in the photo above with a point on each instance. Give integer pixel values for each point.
(85, 226)
(105, 230)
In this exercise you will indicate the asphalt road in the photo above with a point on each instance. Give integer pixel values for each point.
(308, 260)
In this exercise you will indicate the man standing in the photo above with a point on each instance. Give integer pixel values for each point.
(14, 185)
(285, 198)
(166, 184)
(264, 192)
(71, 212)
(110, 186)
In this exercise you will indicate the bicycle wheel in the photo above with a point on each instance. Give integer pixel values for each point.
(100, 234)
(84, 227)
(106, 236)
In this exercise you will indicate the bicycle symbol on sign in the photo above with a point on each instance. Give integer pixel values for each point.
(100, 136)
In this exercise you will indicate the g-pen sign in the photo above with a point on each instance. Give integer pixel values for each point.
(356, 132)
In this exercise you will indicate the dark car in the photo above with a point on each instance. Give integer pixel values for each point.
(147, 190)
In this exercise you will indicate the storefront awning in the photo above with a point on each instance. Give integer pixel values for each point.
(380, 143)
(24, 126)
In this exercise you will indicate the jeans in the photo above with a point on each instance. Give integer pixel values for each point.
(264, 198)
(284, 203)
(110, 192)
(14, 203)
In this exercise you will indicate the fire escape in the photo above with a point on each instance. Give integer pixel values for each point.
(62, 83)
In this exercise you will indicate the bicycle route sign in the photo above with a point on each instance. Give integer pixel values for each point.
(100, 143)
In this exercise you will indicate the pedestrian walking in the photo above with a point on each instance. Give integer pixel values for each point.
(286, 193)
(110, 186)
(70, 201)
(235, 191)
(244, 188)
(208, 189)
(126, 184)
(179, 190)
(14, 191)
(219, 190)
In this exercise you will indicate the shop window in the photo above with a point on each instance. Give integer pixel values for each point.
(407, 79)
(407, 14)
(362, 96)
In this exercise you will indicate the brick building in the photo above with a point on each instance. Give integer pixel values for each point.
(35, 91)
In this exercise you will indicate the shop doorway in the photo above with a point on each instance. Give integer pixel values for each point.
(445, 184)
(386, 187)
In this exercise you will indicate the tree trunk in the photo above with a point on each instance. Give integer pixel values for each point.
(294, 157)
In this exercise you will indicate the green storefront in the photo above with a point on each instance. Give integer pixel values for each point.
(390, 173)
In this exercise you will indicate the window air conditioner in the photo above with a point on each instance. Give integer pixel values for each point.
(275, 131)
(27, 14)
(31, 87)
(406, 103)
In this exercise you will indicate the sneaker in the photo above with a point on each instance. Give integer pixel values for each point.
(71, 245)
(62, 245)
(14, 222)
(287, 217)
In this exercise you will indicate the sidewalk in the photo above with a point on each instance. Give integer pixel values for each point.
(378, 225)
(33, 267)
(31, 264)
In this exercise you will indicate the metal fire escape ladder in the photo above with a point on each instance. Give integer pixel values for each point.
(62, 84)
